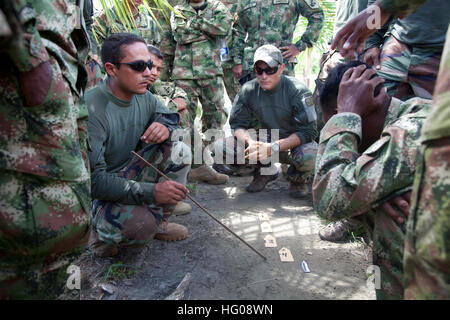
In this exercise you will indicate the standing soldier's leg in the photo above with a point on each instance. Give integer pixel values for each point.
(214, 113)
(214, 117)
(231, 83)
(136, 225)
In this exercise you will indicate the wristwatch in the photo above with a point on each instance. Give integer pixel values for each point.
(275, 147)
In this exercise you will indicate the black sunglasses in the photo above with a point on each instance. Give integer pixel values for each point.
(269, 71)
(139, 65)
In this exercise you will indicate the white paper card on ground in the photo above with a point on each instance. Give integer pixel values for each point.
(305, 267)
(286, 255)
(266, 227)
(262, 216)
(270, 240)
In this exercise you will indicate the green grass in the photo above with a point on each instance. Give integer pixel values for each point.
(119, 271)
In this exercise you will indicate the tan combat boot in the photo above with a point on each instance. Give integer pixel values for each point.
(298, 190)
(182, 208)
(100, 248)
(207, 174)
(260, 181)
(171, 231)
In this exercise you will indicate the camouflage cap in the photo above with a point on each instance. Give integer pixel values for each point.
(268, 54)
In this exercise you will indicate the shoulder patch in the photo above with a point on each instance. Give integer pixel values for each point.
(310, 109)
(313, 4)
(309, 101)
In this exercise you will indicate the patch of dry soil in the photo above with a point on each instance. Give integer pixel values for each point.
(222, 267)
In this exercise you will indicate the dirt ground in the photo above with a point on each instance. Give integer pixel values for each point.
(222, 267)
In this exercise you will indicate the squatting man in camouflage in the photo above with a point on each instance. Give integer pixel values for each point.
(367, 155)
(131, 202)
(278, 102)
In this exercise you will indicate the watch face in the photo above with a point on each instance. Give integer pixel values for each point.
(275, 147)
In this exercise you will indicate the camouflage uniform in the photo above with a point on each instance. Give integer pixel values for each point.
(167, 92)
(197, 68)
(45, 184)
(348, 184)
(231, 83)
(273, 23)
(411, 50)
(426, 261)
(427, 246)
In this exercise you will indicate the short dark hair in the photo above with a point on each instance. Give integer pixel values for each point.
(155, 51)
(330, 89)
(112, 47)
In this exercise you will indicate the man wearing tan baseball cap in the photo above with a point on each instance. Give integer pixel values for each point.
(277, 102)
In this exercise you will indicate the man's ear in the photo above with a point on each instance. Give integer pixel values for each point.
(281, 68)
(111, 69)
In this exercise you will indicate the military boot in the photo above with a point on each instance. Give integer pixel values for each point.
(100, 248)
(223, 168)
(299, 190)
(207, 174)
(171, 231)
(182, 208)
(339, 231)
(259, 181)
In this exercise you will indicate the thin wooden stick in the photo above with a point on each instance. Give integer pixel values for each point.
(199, 205)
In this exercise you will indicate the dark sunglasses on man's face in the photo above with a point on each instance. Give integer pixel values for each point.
(269, 71)
(139, 65)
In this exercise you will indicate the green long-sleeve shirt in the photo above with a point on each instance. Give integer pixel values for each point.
(115, 128)
(288, 107)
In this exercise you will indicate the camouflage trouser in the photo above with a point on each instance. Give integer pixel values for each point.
(231, 83)
(136, 225)
(44, 227)
(427, 245)
(210, 92)
(94, 73)
(328, 61)
(409, 71)
(302, 159)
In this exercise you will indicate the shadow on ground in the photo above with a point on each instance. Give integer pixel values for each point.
(222, 267)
